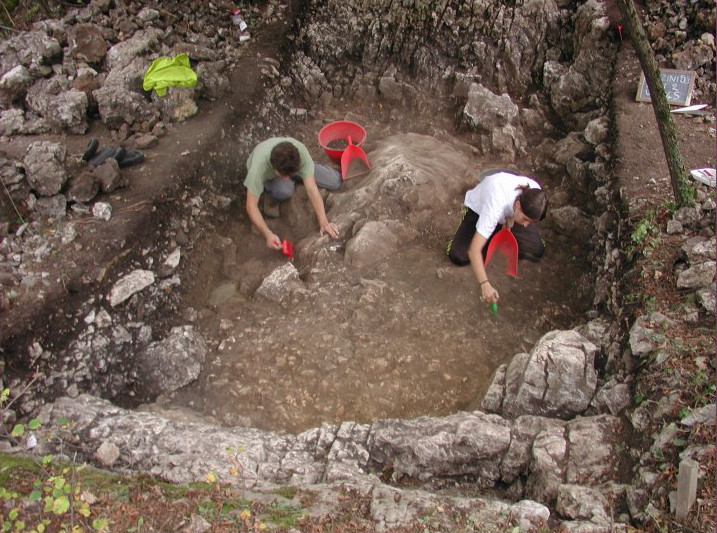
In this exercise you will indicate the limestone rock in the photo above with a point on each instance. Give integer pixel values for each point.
(279, 283)
(13, 85)
(86, 43)
(173, 362)
(486, 111)
(107, 454)
(592, 459)
(33, 49)
(584, 503)
(44, 167)
(374, 241)
(83, 187)
(570, 220)
(557, 378)
(697, 276)
(454, 445)
(129, 285)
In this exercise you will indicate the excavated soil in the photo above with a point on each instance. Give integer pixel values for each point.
(403, 338)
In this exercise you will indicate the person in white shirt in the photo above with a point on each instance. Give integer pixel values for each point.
(501, 198)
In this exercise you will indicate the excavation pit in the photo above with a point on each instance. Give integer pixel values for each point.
(367, 357)
(376, 324)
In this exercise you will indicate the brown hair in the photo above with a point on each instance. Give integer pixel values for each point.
(285, 158)
(533, 202)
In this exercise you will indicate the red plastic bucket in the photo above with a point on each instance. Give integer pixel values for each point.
(341, 129)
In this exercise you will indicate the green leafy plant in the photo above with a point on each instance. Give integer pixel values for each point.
(55, 490)
(56, 493)
(645, 237)
(138, 527)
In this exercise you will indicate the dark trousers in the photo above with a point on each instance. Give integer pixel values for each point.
(530, 245)
(281, 189)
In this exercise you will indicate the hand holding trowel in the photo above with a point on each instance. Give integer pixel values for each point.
(287, 249)
(503, 242)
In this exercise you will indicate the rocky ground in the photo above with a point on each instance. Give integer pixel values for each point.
(177, 229)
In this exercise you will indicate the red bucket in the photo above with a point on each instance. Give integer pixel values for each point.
(342, 129)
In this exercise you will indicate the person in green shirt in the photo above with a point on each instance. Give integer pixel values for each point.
(273, 167)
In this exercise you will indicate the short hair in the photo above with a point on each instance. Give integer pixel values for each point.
(285, 158)
(533, 202)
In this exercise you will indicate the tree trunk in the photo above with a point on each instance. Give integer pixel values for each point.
(681, 188)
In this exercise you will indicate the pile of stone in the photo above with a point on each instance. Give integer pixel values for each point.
(65, 73)
(682, 35)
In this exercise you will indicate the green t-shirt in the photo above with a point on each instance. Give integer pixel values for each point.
(259, 169)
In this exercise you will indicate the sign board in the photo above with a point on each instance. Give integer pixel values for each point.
(678, 86)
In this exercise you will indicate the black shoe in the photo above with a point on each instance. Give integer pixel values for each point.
(91, 149)
(116, 152)
(129, 158)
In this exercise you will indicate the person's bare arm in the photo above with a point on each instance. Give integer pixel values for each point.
(252, 209)
(318, 204)
(475, 254)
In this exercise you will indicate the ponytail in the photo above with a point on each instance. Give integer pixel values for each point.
(533, 202)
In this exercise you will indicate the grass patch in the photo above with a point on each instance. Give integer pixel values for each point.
(287, 492)
(283, 516)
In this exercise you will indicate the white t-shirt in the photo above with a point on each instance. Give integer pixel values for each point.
(493, 199)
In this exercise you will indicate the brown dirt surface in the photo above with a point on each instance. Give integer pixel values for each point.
(640, 158)
(403, 339)
(103, 249)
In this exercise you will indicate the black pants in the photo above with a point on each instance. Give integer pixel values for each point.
(530, 245)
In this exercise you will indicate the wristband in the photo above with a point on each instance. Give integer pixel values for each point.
(482, 282)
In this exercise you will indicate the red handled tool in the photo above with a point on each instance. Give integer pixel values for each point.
(287, 249)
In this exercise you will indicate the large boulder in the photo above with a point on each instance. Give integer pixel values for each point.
(86, 43)
(45, 167)
(591, 443)
(578, 93)
(375, 241)
(68, 113)
(14, 84)
(83, 186)
(698, 276)
(64, 109)
(178, 104)
(519, 456)
(141, 43)
(570, 220)
(556, 379)
(33, 49)
(280, 283)
(119, 106)
(211, 82)
(173, 362)
(465, 443)
(484, 111)
(547, 464)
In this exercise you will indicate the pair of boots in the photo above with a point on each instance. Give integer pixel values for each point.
(124, 158)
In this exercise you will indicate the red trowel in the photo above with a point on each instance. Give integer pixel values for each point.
(353, 161)
(287, 249)
(505, 243)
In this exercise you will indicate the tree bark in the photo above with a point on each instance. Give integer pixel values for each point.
(681, 188)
